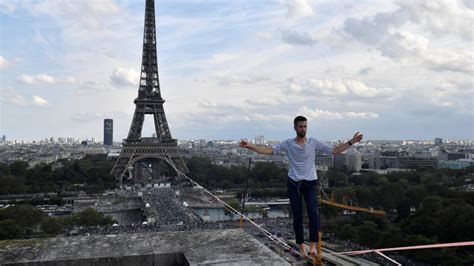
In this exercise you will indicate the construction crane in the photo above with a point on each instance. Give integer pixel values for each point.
(333, 203)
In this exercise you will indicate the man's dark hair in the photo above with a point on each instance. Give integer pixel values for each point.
(299, 119)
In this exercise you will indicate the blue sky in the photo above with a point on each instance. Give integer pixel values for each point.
(236, 69)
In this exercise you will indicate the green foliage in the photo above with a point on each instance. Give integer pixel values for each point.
(24, 215)
(348, 232)
(336, 178)
(12, 185)
(261, 176)
(4, 170)
(18, 168)
(90, 217)
(10, 229)
(52, 225)
(368, 234)
(91, 173)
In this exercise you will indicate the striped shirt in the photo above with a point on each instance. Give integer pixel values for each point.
(302, 159)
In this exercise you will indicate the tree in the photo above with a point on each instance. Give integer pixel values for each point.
(416, 194)
(90, 217)
(24, 215)
(423, 225)
(337, 178)
(456, 223)
(52, 225)
(4, 170)
(10, 229)
(18, 168)
(348, 232)
(368, 234)
(393, 237)
(431, 205)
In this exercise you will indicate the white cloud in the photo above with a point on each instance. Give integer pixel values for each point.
(3, 62)
(89, 87)
(298, 38)
(12, 97)
(441, 17)
(451, 61)
(86, 117)
(299, 8)
(264, 101)
(222, 57)
(37, 100)
(230, 78)
(7, 6)
(407, 31)
(271, 117)
(329, 115)
(335, 88)
(124, 77)
(89, 14)
(36, 79)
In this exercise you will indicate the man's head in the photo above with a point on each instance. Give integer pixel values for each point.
(300, 124)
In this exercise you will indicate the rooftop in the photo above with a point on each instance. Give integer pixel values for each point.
(218, 247)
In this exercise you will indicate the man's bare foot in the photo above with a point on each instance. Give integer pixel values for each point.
(313, 251)
(303, 253)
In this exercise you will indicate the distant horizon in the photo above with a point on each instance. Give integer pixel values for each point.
(97, 140)
(235, 69)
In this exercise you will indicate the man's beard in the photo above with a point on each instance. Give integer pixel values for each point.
(301, 134)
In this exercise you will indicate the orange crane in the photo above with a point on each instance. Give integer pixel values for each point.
(332, 202)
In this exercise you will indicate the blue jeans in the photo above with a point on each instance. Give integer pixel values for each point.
(307, 190)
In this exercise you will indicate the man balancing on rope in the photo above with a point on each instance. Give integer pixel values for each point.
(302, 177)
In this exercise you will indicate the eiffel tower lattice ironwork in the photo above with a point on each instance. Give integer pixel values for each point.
(136, 148)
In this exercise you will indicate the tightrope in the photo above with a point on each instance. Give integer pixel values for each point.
(230, 208)
(443, 245)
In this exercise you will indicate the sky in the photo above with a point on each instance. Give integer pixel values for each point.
(237, 69)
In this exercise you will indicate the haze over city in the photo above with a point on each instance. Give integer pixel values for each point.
(236, 69)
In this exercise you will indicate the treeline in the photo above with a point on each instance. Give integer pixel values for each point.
(90, 174)
(20, 221)
(261, 176)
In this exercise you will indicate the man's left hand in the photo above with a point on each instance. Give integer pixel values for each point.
(356, 138)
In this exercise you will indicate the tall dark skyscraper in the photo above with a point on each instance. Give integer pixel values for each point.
(108, 131)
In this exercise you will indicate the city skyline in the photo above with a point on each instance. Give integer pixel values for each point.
(392, 70)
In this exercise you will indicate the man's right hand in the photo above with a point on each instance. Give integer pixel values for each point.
(255, 148)
(244, 144)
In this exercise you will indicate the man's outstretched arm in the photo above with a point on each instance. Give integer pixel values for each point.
(344, 146)
(255, 148)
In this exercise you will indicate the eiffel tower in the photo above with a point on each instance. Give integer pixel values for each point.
(142, 155)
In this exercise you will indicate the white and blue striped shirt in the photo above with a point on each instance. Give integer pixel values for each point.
(302, 158)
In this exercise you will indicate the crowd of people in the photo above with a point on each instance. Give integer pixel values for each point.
(142, 228)
(163, 208)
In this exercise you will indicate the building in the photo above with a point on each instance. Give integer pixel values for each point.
(351, 162)
(324, 160)
(259, 140)
(354, 162)
(108, 132)
(459, 164)
(388, 162)
(340, 161)
(418, 162)
(4, 139)
(438, 141)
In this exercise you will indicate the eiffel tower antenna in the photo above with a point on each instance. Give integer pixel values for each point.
(142, 158)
